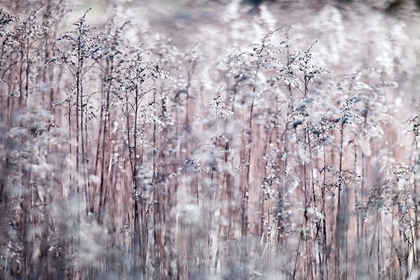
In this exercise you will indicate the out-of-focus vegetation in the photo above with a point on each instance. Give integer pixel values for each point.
(209, 140)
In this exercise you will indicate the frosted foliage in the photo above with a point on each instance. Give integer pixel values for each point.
(209, 140)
